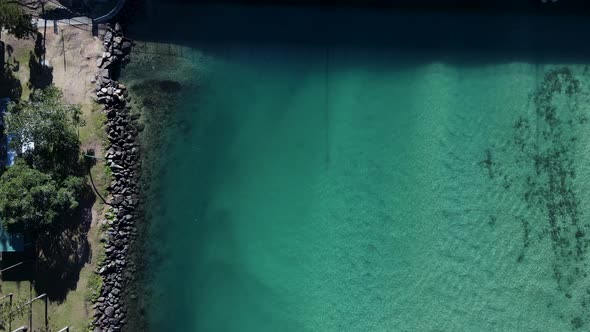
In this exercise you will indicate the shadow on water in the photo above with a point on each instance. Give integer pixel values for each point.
(467, 38)
(185, 305)
(448, 37)
(222, 283)
(216, 132)
(164, 109)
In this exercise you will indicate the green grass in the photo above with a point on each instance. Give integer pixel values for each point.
(108, 171)
(95, 119)
(21, 55)
(93, 289)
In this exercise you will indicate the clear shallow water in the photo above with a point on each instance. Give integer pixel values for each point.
(330, 189)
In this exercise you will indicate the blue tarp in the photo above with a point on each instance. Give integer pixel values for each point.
(10, 153)
(4, 103)
(3, 106)
(9, 242)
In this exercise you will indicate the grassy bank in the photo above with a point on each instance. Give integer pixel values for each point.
(74, 284)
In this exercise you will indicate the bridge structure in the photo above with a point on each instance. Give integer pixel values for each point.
(108, 16)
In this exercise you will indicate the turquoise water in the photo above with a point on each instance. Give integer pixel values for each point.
(311, 188)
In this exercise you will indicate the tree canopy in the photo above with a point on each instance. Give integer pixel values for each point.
(50, 124)
(14, 19)
(46, 183)
(31, 200)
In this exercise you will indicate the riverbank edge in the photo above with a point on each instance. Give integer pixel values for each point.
(117, 270)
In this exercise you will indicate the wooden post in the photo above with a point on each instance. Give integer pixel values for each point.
(46, 318)
(10, 314)
(94, 28)
(44, 295)
(1, 54)
(63, 47)
(44, 31)
(31, 304)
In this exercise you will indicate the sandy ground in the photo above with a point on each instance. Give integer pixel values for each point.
(72, 53)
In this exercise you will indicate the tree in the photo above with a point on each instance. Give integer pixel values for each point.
(14, 19)
(12, 312)
(47, 182)
(49, 123)
(30, 200)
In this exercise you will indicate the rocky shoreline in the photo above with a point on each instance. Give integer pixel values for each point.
(122, 156)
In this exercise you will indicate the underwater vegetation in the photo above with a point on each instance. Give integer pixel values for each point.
(545, 145)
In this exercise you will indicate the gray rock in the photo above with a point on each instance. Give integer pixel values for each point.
(108, 37)
(104, 73)
(117, 200)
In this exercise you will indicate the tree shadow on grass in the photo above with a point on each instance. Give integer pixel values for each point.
(63, 253)
(41, 75)
(9, 85)
(39, 47)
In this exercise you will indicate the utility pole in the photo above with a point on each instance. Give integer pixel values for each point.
(31, 304)
(44, 28)
(46, 318)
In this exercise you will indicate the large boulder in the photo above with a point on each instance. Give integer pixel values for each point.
(108, 36)
(109, 311)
